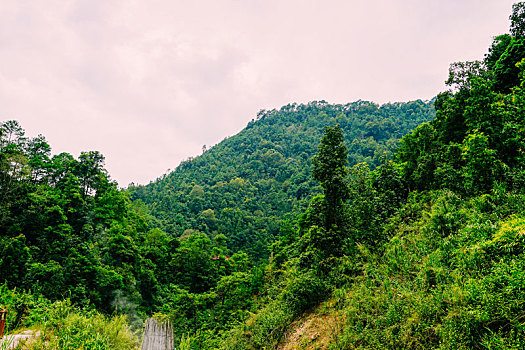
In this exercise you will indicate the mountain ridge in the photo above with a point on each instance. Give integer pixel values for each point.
(272, 154)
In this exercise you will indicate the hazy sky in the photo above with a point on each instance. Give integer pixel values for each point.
(148, 83)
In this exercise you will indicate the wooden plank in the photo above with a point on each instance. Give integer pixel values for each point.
(157, 336)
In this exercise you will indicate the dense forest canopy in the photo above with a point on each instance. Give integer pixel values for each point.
(246, 184)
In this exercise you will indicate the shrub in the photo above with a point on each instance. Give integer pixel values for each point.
(303, 291)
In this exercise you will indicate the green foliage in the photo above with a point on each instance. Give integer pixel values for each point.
(64, 326)
(302, 291)
(422, 250)
(65, 228)
(14, 260)
(331, 172)
(481, 165)
(436, 256)
(252, 180)
(517, 20)
(263, 330)
(475, 139)
(91, 331)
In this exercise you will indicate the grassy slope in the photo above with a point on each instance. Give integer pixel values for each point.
(61, 325)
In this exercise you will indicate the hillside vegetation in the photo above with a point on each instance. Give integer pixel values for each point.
(426, 251)
(313, 228)
(67, 231)
(243, 186)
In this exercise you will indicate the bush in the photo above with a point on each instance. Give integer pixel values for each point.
(70, 329)
(64, 326)
(303, 291)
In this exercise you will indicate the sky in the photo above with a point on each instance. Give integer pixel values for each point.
(149, 83)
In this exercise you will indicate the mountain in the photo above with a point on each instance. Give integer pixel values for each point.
(244, 186)
(313, 228)
(67, 231)
(427, 251)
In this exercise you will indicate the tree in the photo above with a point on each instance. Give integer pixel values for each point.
(462, 75)
(506, 72)
(90, 170)
(14, 260)
(517, 18)
(331, 172)
(482, 165)
(322, 226)
(38, 153)
(507, 52)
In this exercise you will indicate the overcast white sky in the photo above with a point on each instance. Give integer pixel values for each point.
(148, 83)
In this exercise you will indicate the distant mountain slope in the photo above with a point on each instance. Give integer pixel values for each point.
(244, 185)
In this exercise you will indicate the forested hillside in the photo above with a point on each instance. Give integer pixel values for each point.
(243, 186)
(67, 231)
(426, 251)
(313, 228)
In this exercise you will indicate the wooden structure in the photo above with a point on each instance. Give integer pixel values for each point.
(157, 336)
(3, 316)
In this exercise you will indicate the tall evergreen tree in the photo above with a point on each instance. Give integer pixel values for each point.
(331, 172)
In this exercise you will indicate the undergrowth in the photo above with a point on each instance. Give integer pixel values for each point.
(64, 326)
(451, 276)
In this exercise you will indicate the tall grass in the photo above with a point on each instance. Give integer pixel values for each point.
(64, 326)
(94, 331)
